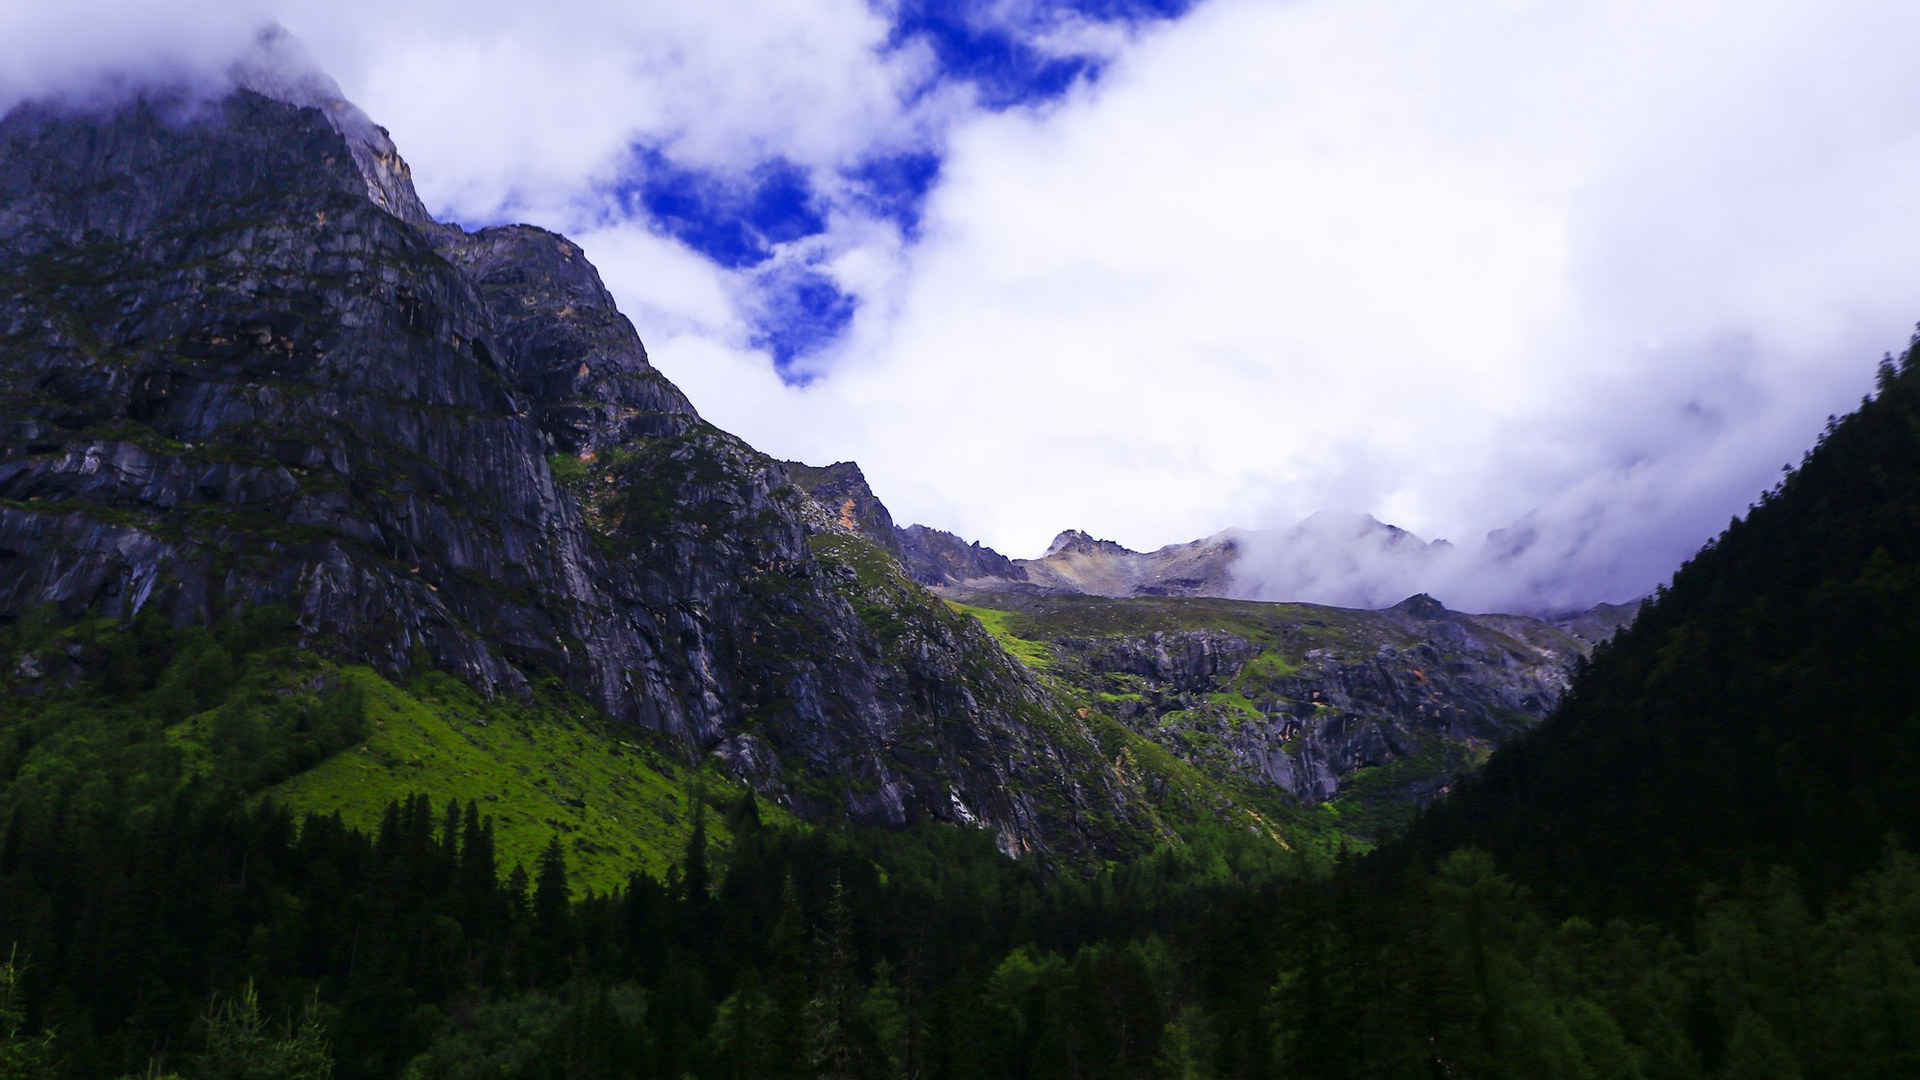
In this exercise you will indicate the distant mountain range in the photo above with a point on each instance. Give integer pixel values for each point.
(1350, 560)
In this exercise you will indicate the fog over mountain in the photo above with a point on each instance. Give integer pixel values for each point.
(1157, 270)
(1356, 561)
(1343, 560)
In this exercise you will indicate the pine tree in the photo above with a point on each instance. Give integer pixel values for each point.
(696, 879)
(1185, 1050)
(550, 894)
(830, 1009)
(1755, 1052)
(743, 818)
(741, 1043)
(517, 885)
(450, 833)
(889, 1022)
(787, 948)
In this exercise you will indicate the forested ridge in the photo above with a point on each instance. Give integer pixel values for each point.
(1697, 867)
(1761, 709)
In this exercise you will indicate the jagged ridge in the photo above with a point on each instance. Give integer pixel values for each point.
(1382, 710)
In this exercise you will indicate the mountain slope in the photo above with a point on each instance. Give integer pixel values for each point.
(1369, 713)
(1077, 562)
(1760, 709)
(1346, 560)
(240, 366)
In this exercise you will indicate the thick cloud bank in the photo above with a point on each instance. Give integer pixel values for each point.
(1595, 269)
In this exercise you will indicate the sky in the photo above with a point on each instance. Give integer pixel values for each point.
(1587, 272)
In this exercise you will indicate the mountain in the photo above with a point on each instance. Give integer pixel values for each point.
(308, 503)
(1370, 712)
(851, 507)
(1348, 560)
(1598, 623)
(1757, 710)
(936, 557)
(1077, 562)
(244, 367)
(1367, 713)
(241, 366)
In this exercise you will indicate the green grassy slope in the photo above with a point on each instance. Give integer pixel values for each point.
(1045, 630)
(1046, 616)
(1186, 800)
(1160, 800)
(122, 717)
(539, 768)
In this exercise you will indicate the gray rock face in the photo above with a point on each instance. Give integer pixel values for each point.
(1350, 560)
(277, 67)
(1319, 702)
(1599, 622)
(1077, 562)
(935, 557)
(1075, 542)
(848, 504)
(240, 365)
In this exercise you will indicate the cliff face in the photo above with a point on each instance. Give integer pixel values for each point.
(851, 507)
(1384, 709)
(239, 364)
(1077, 562)
(937, 557)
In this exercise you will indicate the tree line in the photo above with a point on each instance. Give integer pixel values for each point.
(1698, 867)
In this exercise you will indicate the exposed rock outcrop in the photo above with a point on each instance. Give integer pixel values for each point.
(1077, 562)
(935, 557)
(1312, 700)
(847, 503)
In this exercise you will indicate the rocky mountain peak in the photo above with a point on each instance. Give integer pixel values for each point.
(240, 366)
(1076, 542)
(1420, 606)
(937, 557)
(847, 503)
(278, 67)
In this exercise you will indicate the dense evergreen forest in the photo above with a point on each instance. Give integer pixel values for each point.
(1697, 867)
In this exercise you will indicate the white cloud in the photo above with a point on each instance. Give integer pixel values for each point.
(1451, 266)
(664, 287)
(1604, 264)
(77, 50)
(510, 101)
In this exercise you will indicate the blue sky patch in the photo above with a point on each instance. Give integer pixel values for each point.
(782, 208)
(1129, 10)
(1005, 70)
(737, 221)
(804, 311)
(734, 221)
(895, 186)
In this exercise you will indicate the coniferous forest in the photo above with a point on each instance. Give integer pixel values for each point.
(1699, 866)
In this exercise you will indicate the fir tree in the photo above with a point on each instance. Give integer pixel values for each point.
(550, 894)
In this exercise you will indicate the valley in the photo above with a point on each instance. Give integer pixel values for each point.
(401, 678)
